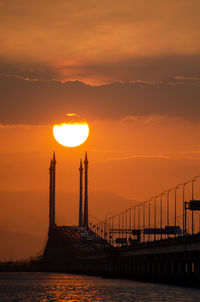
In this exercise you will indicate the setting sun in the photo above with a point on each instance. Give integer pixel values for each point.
(71, 134)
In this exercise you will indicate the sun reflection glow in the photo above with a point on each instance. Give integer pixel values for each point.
(71, 134)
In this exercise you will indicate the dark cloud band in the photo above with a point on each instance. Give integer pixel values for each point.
(35, 102)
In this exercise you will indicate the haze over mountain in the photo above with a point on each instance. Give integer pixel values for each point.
(24, 218)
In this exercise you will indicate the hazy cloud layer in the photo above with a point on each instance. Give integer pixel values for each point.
(42, 102)
(172, 68)
(25, 69)
(99, 41)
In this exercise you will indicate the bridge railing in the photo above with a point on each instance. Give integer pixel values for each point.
(167, 214)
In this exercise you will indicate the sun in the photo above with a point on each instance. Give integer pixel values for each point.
(71, 134)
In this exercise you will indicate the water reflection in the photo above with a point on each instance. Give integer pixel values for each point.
(45, 287)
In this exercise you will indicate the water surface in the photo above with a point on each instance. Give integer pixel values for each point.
(65, 287)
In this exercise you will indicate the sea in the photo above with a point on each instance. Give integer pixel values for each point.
(17, 287)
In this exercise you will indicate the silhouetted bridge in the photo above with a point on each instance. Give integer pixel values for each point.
(173, 260)
(157, 239)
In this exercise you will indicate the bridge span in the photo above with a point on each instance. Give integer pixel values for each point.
(175, 260)
(156, 240)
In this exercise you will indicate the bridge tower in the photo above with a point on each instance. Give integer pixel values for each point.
(52, 179)
(81, 195)
(86, 192)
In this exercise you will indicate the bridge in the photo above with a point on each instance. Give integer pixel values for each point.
(157, 239)
(172, 213)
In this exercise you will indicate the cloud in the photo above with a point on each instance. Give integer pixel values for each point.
(136, 69)
(176, 156)
(33, 70)
(183, 78)
(101, 41)
(142, 156)
(175, 69)
(46, 102)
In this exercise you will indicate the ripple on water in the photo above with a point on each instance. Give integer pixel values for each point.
(43, 287)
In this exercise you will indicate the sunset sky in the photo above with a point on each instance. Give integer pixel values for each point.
(130, 68)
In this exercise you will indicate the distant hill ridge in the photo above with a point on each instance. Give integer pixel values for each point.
(24, 217)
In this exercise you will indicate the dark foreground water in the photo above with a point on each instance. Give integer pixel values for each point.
(64, 287)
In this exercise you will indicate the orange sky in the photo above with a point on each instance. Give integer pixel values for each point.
(130, 69)
(95, 41)
(134, 157)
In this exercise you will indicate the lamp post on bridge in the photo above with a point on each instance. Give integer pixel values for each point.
(105, 224)
(122, 228)
(193, 180)
(149, 216)
(119, 224)
(139, 216)
(134, 216)
(144, 214)
(144, 219)
(126, 221)
(155, 198)
(170, 190)
(161, 195)
(175, 201)
(130, 218)
(184, 185)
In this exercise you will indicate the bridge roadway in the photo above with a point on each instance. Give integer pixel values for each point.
(173, 260)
